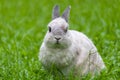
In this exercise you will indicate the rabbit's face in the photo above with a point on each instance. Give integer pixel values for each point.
(58, 34)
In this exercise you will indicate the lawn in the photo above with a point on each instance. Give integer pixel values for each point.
(23, 24)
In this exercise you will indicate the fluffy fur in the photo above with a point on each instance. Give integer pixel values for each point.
(68, 49)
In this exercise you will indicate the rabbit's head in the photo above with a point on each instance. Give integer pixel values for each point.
(58, 34)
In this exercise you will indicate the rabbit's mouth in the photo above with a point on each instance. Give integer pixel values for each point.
(57, 45)
(57, 42)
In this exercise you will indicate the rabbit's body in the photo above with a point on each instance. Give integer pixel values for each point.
(69, 50)
(81, 55)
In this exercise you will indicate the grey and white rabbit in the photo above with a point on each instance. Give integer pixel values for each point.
(68, 49)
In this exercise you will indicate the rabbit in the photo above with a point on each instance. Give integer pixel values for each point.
(68, 50)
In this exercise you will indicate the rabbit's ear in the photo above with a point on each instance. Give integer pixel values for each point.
(55, 13)
(66, 13)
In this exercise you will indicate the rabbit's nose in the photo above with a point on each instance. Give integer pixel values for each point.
(57, 38)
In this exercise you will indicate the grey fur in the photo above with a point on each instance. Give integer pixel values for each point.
(55, 12)
(66, 13)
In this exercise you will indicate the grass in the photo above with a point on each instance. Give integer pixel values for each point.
(23, 26)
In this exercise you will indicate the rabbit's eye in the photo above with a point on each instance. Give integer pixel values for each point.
(49, 29)
(66, 30)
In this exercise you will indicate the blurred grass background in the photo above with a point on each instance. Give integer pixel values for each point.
(23, 24)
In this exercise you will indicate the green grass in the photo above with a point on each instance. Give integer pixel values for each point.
(23, 24)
